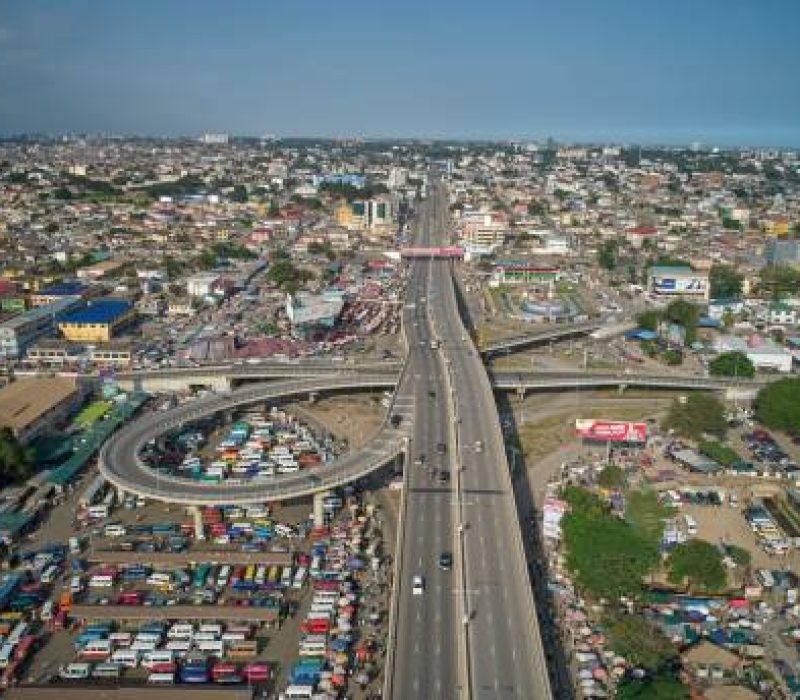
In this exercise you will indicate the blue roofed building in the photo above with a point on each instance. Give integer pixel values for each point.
(98, 321)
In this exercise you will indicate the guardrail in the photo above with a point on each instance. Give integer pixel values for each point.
(553, 332)
(138, 433)
(397, 568)
(520, 558)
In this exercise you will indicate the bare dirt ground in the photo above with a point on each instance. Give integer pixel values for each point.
(354, 418)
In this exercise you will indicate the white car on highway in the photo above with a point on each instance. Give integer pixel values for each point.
(417, 585)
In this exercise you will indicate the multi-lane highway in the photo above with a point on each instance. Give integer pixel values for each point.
(473, 632)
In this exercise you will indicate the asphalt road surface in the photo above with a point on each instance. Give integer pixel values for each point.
(494, 605)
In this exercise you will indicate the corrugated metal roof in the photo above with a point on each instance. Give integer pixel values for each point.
(98, 311)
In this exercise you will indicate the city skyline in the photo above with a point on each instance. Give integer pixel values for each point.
(719, 73)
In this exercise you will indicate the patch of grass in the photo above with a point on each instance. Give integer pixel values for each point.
(545, 436)
(92, 413)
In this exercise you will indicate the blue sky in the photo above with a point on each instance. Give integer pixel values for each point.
(717, 71)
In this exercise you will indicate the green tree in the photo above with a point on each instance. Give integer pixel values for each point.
(731, 224)
(16, 460)
(607, 255)
(778, 405)
(274, 210)
(725, 282)
(698, 562)
(607, 557)
(639, 641)
(612, 477)
(779, 280)
(672, 357)
(646, 513)
(700, 413)
(207, 259)
(649, 320)
(239, 194)
(62, 193)
(732, 364)
(662, 686)
(740, 555)
(685, 314)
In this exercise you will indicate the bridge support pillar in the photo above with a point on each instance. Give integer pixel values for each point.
(521, 393)
(312, 397)
(227, 417)
(621, 389)
(319, 510)
(197, 517)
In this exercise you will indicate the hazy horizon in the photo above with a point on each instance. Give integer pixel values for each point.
(722, 73)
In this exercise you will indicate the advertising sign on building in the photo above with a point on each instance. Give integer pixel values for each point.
(679, 285)
(611, 431)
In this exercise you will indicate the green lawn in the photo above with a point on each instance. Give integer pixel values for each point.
(92, 413)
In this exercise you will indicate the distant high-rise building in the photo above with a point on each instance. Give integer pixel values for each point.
(216, 139)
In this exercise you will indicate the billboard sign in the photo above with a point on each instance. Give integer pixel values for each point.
(680, 285)
(611, 431)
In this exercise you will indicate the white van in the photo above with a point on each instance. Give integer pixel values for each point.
(211, 646)
(98, 512)
(125, 657)
(209, 628)
(115, 530)
(234, 637)
(297, 692)
(160, 656)
(120, 639)
(75, 584)
(6, 654)
(179, 631)
(106, 671)
(49, 574)
(75, 671)
(180, 647)
(74, 545)
(161, 679)
(313, 648)
(144, 645)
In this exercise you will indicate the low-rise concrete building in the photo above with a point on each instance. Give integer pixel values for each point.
(34, 406)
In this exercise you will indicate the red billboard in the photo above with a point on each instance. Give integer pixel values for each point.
(611, 431)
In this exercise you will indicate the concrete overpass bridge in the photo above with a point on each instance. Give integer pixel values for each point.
(121, 464)
(224, 376)
(546, 334)
(532, 381)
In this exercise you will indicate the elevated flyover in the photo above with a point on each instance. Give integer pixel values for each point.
(549, 333)
(223, 376)
(121, 464)
(599, 380)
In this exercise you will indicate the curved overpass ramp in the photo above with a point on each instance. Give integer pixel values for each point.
(121, 464)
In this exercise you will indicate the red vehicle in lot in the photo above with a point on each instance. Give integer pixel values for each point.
(163, 668)
(25, 646)
(256, 673)
(315, 626)
(222, 669)
(326, 585)
(59, 621)
(130, 598)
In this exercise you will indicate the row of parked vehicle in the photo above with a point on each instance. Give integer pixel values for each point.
(169, 653)
(331, 649)
(257, 447)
